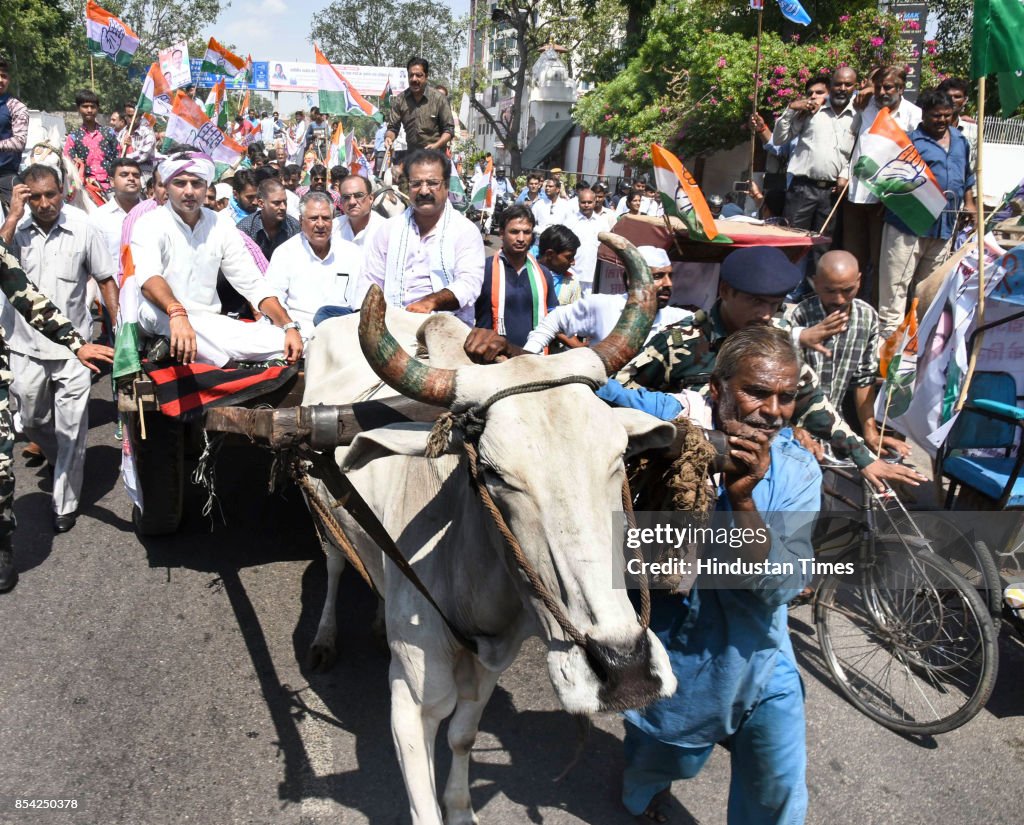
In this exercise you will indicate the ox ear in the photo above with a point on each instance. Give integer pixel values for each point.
(645, 431)
(395, 439)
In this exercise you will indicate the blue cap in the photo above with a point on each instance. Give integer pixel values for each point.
(760, 270)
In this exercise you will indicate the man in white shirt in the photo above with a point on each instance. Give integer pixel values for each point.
(585, 225)
(554, 210)
(607, 215)
(595, 316)
(60, 251)
(862, 213)
(177, 250)
(650, 201)
(316, 268)
(429, 258)
(358, 222)
(126, 186)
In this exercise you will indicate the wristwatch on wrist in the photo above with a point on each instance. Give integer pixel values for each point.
(292, 325)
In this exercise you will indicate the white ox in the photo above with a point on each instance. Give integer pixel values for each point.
(434, 514)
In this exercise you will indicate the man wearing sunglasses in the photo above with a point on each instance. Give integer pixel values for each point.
(357, 222)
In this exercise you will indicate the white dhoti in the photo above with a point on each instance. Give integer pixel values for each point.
(220, 339)
(53, 398)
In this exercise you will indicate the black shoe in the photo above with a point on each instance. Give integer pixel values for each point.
(8, 575)
(65, 522)
(159, 350)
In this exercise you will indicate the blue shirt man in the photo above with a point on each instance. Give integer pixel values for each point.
(729, 648)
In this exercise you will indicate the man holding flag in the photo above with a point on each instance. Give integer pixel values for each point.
(911, 246)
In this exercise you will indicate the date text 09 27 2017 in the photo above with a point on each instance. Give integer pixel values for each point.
(45, 803)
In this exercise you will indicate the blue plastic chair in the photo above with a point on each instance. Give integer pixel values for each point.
(990, 419)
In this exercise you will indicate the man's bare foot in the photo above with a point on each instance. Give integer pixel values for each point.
(658, 809)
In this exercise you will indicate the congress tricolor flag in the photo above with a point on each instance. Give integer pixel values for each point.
(219, 60)
(337, 96)
(681, 196)
(892, 168)
(481, 197)
(108, 37)
(155, 96)
(189, 125)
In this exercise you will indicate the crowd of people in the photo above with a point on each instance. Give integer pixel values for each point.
(210, 256)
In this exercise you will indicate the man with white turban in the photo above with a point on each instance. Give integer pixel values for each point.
(177, 251)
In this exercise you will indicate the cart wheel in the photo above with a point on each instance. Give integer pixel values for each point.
(160, 463)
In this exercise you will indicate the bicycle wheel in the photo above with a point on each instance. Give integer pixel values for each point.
(971, 559)
(909, 642)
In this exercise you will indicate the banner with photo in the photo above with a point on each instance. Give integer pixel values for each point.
(367, 80)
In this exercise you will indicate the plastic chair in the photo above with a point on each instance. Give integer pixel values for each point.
(989, 420)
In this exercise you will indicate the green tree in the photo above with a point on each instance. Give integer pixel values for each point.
(37, 36)
(401, 30)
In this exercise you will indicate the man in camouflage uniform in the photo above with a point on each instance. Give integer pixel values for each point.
(43, 316)
(753, 283)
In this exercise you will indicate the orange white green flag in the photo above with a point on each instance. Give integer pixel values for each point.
(220, 60)
(215, 108)
(336, 154)
(681, 196)
(482, 189)
(337, 95)
(892, 168)
(155, 96)
(108, 37)
(188, 124)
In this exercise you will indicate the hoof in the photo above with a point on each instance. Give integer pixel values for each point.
(321, 657)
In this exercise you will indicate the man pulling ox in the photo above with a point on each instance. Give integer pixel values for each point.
(729, 648)
(177, 250)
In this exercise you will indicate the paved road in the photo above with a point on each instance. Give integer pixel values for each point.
(162, 683)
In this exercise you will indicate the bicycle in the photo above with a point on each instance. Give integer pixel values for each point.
(908, 640)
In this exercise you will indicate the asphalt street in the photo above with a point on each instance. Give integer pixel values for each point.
(163, 682)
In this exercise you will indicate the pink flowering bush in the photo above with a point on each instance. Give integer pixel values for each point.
(698, 99)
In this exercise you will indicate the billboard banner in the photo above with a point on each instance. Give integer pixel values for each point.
(368, 80)
(206, 80)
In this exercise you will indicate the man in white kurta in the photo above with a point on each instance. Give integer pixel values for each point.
(595, 316)
(430, 258)
(315, 268)
(359, 222)
(586, 224)
(177, 250)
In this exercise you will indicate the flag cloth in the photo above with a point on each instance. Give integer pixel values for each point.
(794, 12)
(892, 168)
(155, 96)
(757, 5)
(189, 125)
(681, 196)
(997, 45)
(898, 364)
(456, 188)
(336, 154)
(244, 110)
(357, 160)
(215, 108)
(1011, 91)
(337, 96)
(219, 60)
(387, 94)
(482, 188)
(108, 37)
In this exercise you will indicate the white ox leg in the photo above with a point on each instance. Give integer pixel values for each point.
(324, 650)
(414, 729)
(462, 732)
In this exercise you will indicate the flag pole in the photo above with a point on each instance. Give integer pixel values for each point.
(128, 134)
(980, 229)
(757, 86)
(831, 214)
(92, 74)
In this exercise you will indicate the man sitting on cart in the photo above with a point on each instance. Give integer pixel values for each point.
(177, 250)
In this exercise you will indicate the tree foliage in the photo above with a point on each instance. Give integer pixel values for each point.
(390, 33)
(36, 36)
(691, 87)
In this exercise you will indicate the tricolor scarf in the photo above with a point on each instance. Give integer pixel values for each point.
(441, 258)
(538, 288)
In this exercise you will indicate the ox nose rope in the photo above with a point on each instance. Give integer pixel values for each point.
(471, 422)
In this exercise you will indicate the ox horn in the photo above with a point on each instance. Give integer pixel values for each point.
(634, 325)
(398, 369)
